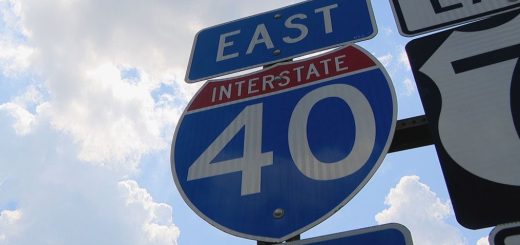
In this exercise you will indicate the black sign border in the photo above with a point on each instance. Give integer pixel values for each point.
(403, 28)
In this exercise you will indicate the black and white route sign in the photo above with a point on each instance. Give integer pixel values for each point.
(469, 82)
(415, 17)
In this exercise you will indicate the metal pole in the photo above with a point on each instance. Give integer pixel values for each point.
(411, 133)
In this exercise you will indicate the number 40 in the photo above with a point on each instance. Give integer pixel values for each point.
(253, 159)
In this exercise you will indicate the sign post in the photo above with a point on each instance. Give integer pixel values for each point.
(468, 79)
(271, 154)
(279, 35)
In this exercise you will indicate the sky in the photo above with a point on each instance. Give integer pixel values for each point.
(90, 94)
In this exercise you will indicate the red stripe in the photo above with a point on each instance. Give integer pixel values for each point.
(342, 61)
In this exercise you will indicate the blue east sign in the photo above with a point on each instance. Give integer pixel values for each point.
(279, 35)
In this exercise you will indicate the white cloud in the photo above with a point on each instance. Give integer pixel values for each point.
(22, 120)
(386, 60)
(483, 241)
(65, 201)
(14, 58)
(157, 220)
(80, 128)
(14, 55)
(31, 97)
(8, 217)
(396, 63)
(414, 205)
(409, 87)
(10, 14)
(403, 59)
(8, 221)
(388, 31)
(115, 121)
(79, 49)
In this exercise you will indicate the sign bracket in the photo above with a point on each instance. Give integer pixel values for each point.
(411, 133)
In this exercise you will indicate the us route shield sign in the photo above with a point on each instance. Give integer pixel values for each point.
(469, 82)
(269, 155)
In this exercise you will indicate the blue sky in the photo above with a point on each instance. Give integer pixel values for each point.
(90, 95)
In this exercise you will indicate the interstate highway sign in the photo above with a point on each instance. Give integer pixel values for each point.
(389, 234)
(279, 35)
(469, 82)
(415, 17)
(269, 155)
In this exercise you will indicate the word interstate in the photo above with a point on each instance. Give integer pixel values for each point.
(283, 76)
(257, 84)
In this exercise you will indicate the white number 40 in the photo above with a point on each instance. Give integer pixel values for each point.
(253, 159)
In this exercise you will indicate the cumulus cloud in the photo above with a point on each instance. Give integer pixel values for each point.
(59, 199)
(409, 87)
(157, 219)
(80, 50)
(31, 97)
(14, 58)
(403, 59)
(387, 31)
(14, 54)
(21, 119)
(75, 134)
(114, 121)
(483, 241)
(8, 220)
(414, 205)
(395, 61)
(386, 59)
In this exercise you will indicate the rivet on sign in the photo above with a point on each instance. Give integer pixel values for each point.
(277, 79)
(277, 16)
(278, 213)
(277, 52)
